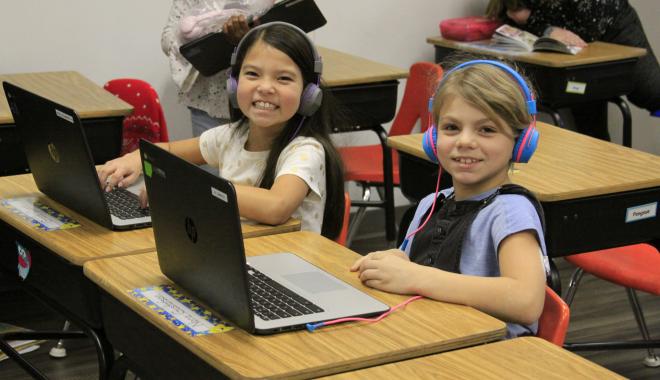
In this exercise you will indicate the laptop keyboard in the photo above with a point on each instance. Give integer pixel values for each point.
(125, 205)
(272, 301)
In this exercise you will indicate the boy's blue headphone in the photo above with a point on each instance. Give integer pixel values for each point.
(311, 97)
(527, 140)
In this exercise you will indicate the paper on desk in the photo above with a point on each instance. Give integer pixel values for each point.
(183, 312)
(38, 214)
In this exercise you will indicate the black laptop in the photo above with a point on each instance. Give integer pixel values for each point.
(62, 165)
(200, 247)
(211, 53)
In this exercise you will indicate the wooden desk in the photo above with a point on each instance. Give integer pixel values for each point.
(101, 112)
(529, 357)
(585, 186)
(57, 257)
(160, 350)
(603, 69)
(368, 91)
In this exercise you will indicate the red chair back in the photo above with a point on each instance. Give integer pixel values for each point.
(554, 319)
(421, 84)
(147, 120)
(343, 234)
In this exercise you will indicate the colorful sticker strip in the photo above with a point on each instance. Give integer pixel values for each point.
(180, 310)
(38, 214)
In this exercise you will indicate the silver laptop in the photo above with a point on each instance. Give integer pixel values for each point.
(61, 162)
(200, 247)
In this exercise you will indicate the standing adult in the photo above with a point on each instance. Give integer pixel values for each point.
(205, 97)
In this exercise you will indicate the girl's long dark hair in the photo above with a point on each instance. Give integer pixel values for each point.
(317, 126)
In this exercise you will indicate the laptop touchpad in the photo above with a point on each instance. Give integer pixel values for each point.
(314, 282)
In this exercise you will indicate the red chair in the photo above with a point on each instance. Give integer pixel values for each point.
(554, 319)
(147, 120)
(343, 234)
(363, 163)
(636, 267)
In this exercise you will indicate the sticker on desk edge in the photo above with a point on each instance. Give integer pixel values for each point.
(576, 87)
(641, 212)
(39, 215)
(181, 311)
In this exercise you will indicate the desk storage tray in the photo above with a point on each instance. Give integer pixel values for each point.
(367, 105)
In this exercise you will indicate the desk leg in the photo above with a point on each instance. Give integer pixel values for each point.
(627, 120)
(104, 350)
(390, 227)
(18, 359)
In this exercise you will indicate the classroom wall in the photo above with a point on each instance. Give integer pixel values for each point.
(121, 38)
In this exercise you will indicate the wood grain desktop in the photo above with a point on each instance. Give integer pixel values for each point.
(523, 358)
(421, 328)
(90, 240)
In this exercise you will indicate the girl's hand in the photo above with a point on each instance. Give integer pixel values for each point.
(235, 28)
(144, 202)
(120, 172)
(390, 271)
(567, 37)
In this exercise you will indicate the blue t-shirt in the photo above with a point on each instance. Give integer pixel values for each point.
(506, 215)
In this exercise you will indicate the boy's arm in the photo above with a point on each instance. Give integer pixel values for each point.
(516, 296)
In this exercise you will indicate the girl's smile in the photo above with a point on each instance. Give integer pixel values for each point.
(269, 88)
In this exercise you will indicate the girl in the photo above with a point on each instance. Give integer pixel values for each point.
(278, 153)
(482, 246)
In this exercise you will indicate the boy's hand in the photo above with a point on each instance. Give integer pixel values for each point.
(389, 271)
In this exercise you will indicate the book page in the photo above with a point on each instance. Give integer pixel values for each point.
(507, 35)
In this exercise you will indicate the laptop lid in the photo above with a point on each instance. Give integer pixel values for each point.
(200, 247)
(211, 53)
(59, 156)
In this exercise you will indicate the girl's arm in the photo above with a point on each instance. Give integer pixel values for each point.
(274, 205)
(516, 296)
(123, 171)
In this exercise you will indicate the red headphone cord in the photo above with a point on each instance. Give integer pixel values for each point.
(313, 326)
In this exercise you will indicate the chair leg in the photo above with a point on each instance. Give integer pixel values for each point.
(59, 351)
(355, 222)
(651, 359)
(572, 285)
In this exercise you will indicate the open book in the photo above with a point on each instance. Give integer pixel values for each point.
(512, 38)
(22, 346)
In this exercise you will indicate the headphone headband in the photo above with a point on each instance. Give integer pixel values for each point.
(318, 64)
(531, 103)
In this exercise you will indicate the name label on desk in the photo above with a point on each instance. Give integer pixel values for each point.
(38, 214)
(181, 311)
(576, 87)
(649, 210)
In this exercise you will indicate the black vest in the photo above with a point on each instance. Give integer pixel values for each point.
(440, 243)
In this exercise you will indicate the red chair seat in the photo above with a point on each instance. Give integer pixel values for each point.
(362, 164)
(634, 266)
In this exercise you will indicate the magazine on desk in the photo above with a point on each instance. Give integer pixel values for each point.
(508, 37)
